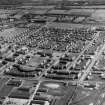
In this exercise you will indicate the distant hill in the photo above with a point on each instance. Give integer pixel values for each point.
(13, 2)
(9, 2)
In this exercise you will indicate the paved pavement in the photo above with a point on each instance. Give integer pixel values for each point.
(31, 98)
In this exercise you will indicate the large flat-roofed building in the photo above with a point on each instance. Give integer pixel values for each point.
(81, 12)
(57, 12)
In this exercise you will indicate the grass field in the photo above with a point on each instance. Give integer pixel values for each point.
(5, 90)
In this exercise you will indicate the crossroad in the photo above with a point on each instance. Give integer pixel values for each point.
(96, 57)
(75, 61)
(31, 98)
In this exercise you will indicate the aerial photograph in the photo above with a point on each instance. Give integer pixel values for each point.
(52, 52)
